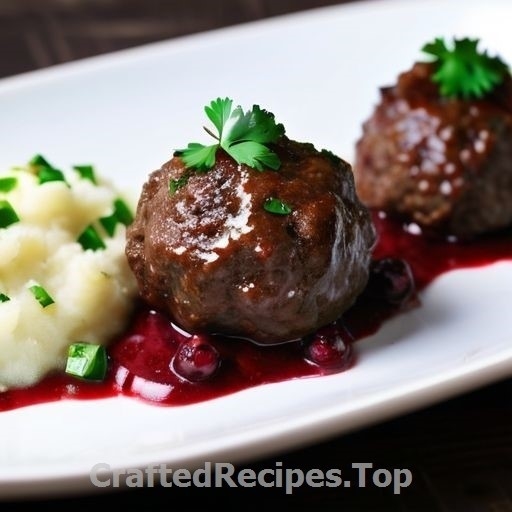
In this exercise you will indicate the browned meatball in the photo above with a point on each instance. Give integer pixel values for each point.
(216, 261)
(445, 164)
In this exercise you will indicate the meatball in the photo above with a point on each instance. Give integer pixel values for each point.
(444, 164)
(215, 260)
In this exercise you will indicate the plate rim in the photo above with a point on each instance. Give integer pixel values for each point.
(306, 432)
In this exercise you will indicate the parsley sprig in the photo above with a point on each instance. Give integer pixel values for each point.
(245, 136)
(462, 71)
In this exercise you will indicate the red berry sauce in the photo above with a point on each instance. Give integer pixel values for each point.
(152, 359)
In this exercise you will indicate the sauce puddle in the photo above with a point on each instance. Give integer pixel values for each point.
(139, 359)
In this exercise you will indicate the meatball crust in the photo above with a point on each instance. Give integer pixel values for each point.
(216, 261)
(444, 164)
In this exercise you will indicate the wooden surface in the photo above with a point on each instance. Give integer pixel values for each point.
(460, 452)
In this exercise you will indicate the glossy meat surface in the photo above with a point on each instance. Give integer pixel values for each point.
(216, 261)
(445, 164)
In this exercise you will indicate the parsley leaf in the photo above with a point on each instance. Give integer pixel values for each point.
(242, 135)
(462, 71)
(256, 125)
(254, 155)
(199, 156)
(218, 112)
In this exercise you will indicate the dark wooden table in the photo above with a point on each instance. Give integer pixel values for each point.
(460, 452)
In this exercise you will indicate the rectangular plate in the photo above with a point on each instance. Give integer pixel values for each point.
(319, 72)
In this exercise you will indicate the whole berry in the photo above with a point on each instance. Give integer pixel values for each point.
(391, 280)
(329, 348)
(196, 359)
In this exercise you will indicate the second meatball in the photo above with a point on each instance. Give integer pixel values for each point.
(442, 163)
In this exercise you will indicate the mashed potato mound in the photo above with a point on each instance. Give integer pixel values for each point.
(92, 288)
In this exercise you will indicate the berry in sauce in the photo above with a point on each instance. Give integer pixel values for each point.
(330, 348)
(196, 359)
(391, 280)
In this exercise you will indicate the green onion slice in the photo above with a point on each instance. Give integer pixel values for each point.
(274, 205)
(39, 161)
(90, 239)
(8, 215)
(45, 171)
(122, 215)
(109, 224)
(41, 295)
(86, 172)
(7, 184)
(47, 174)
(87, 361)
(4, 298)
(122, 212)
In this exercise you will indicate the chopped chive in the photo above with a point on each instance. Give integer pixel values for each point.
(109, 224)
(47, 174)
(90, 239)
(4, 298)
(122, 215)
(123, 212)
(87, 361)
(7, 214)
(41, 295)
(7, 184)
(86, 172)
(39, 161)
(45, 171)
(274, 205)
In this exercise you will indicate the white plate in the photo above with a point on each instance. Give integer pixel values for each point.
(319, 73)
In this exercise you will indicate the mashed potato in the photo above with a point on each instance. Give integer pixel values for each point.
(41, 244)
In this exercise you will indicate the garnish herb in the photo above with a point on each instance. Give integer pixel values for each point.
(8, 215)
(244, 136)
(121, 215)
(109, 224)
(178, 183)
(86, 172)
(4, 298)
(45, 171)
(7, 184)
(41, 295)
(462, 71)
(39, 161)
(90, 239)
(275, 205)
(87, 361)
(122, 212)
(46, 175)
